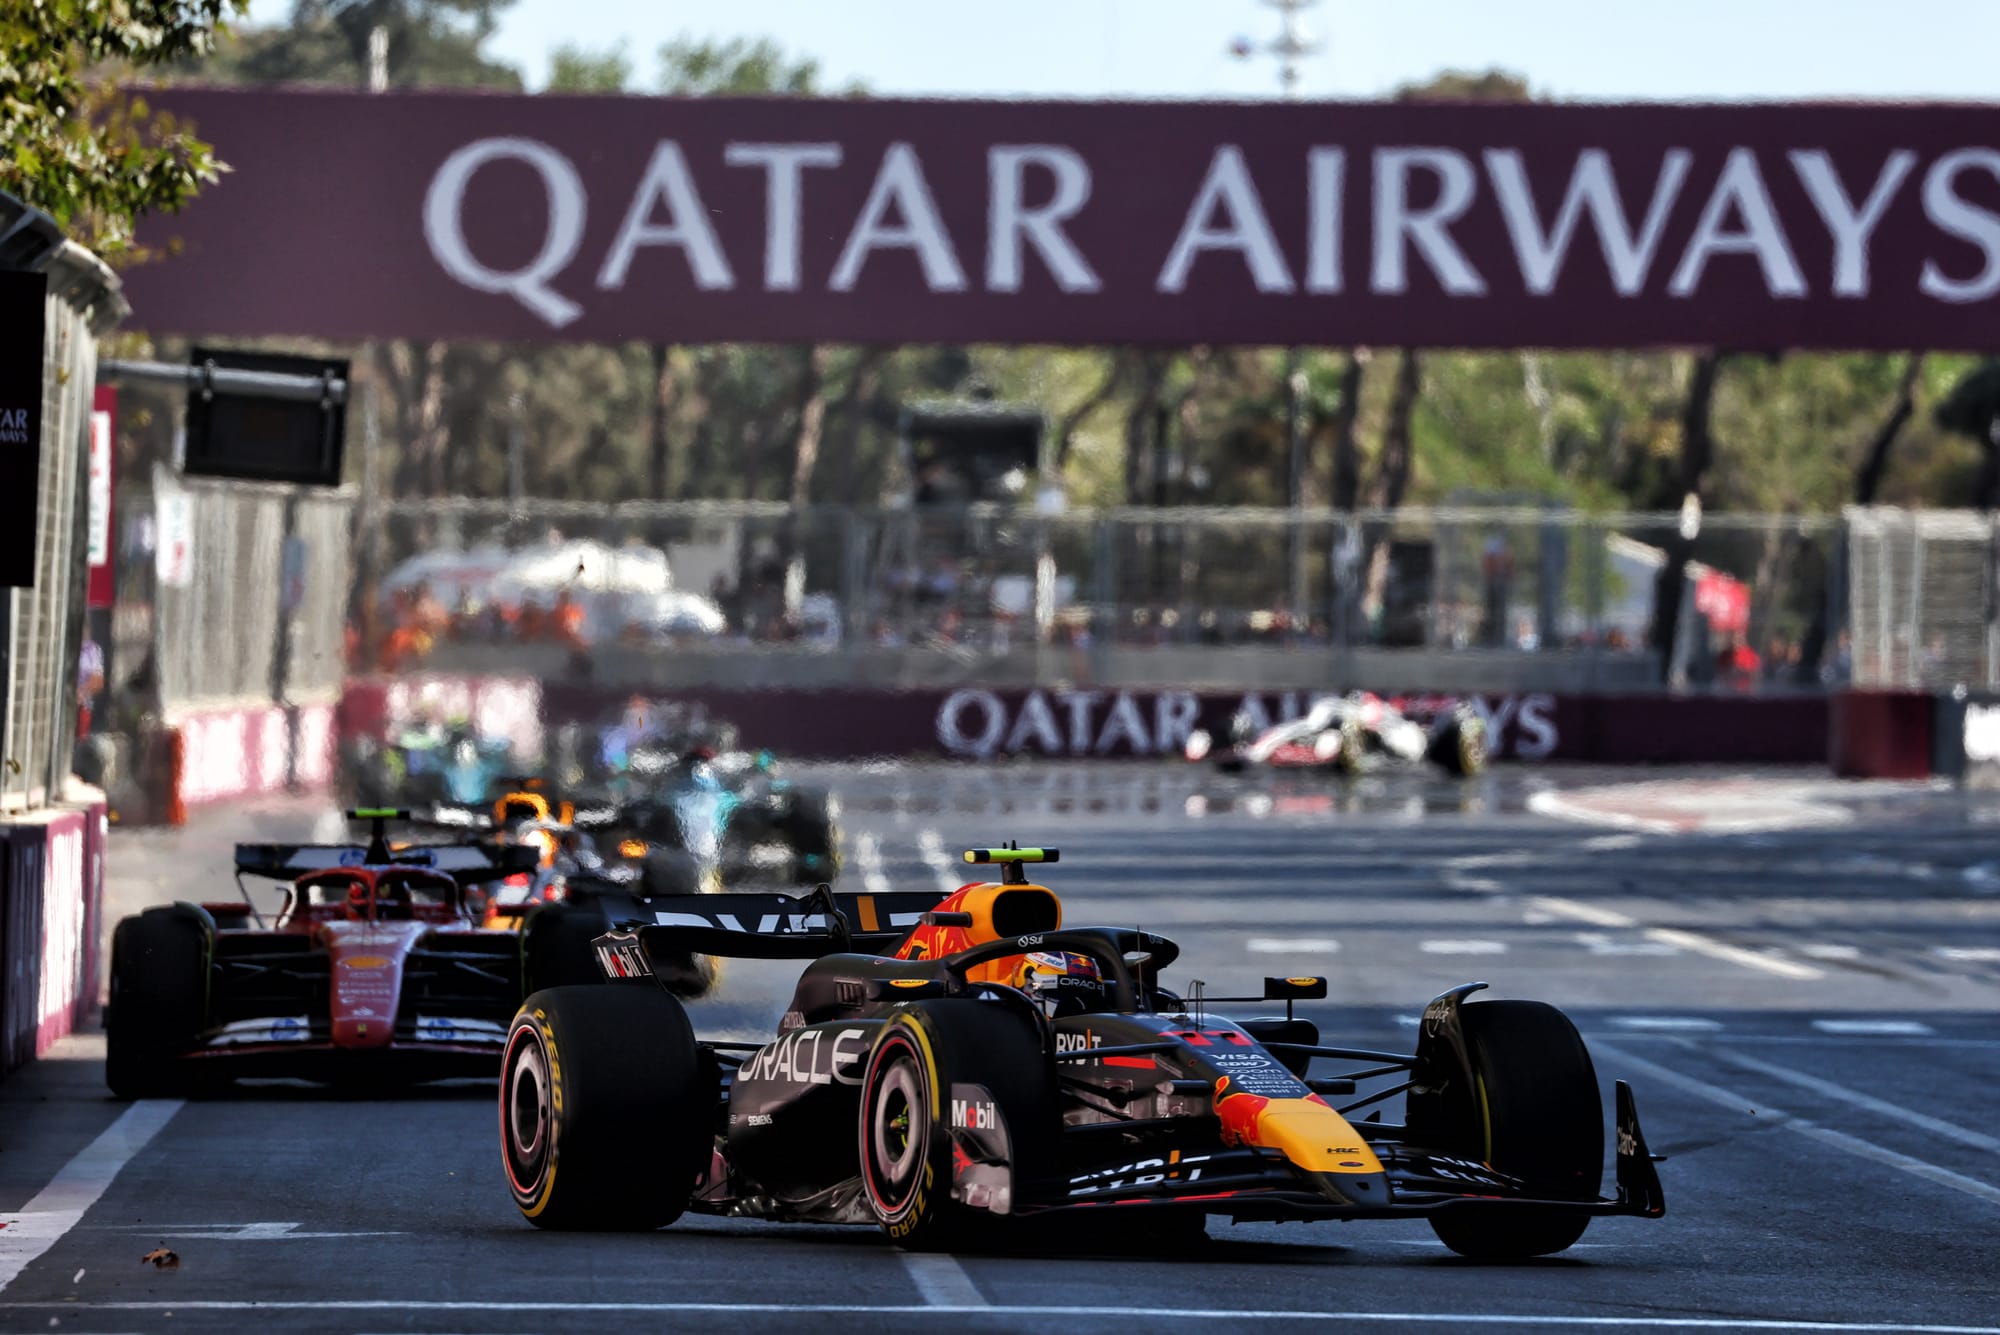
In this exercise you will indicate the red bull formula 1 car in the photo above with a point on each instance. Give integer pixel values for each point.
(946, 1067)
(1349, 733)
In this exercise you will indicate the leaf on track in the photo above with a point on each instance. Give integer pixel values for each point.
(162, 1259)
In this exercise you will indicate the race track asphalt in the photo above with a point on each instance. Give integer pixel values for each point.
(1800, 978)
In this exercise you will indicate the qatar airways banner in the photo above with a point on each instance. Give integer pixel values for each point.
(449, 215)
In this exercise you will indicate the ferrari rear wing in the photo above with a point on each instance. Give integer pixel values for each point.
(468, 864)
(776, 926)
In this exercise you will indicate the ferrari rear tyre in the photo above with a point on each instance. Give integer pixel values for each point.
(606, 1108)
(159, 1002)
(1535, 1114)
(909, 1171)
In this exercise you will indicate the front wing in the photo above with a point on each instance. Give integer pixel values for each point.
(1249, 1183)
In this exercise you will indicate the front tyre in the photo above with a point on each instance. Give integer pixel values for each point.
(606, 1108)
(1533, 1113)
(159, 1002)
(910, 1163)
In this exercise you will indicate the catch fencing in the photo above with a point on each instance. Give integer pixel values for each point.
(1924, 594)
(44, 623)
(241, 592)
(980, 583)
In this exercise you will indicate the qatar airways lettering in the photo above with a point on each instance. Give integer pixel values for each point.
(1421, 204)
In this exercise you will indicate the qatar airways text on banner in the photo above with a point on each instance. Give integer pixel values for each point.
(447, 215)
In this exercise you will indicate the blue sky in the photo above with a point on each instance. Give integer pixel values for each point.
(1604, 49)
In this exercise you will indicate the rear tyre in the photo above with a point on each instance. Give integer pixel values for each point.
(556, 950)
(908, 1167)
(159, 1002)
(1533, 1113)
(607, 1108)
(1459, 746)
(1352, 758)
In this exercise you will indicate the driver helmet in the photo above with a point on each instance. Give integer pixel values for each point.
(357, 899)
(1061, 982)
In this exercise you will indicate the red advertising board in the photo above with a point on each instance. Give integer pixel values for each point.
(587, 218)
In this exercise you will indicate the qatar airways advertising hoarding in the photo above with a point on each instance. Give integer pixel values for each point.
(460, 215)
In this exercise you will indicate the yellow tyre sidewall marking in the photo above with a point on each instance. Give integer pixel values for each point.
(547, 1034)
(905, 1024)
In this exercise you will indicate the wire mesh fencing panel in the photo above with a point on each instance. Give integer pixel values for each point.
(1922, 597)
(44, 625)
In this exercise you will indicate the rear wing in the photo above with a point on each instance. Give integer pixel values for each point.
(780, 927)
(468, 864)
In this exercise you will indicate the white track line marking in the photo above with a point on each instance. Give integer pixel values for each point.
(1663, 1023)
(1827, 1089)
(1891, 1027)
(1840, 1140)
(1969, 954)
(1590, 913)
(1831, 952)
(1722, 950)
(1673, 936)
(868, 860)
(1606, 843)
(1302, 945)
(942, 1282)
(56, 1208)
(931, 846)
(1446, 1319)
(1449, 947)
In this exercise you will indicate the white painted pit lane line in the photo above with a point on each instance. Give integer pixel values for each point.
(1887, 1028)
(1451, 947)
(1770, 1116)
(1829, 1090)
(1446, 1320)
(77, 1185)
(1666, 1023)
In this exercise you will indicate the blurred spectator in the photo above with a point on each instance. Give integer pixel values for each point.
(1525, 636)
(1839, 669)
(1737, 665)
(1496, 568)
(89, 682)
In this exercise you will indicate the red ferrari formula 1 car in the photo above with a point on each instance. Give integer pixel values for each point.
(945, 1067)
(374, 965)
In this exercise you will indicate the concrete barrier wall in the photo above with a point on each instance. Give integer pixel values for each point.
(226, 752)
(51, 919)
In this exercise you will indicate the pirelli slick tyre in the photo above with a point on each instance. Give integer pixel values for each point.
(1534, 1114)
(606, 1105)
(1352, 758)
(159, 1001)
(909, 1173)
(555, 947)
(1458, 746)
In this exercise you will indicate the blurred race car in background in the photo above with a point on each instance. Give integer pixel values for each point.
(427, 764)
(1349, 734)
(680, 780)
(384, 961)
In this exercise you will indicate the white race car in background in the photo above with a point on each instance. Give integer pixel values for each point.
(1349, 733)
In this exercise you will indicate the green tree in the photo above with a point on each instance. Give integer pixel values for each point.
(72, 142)
(576, 69)
(432, 44)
